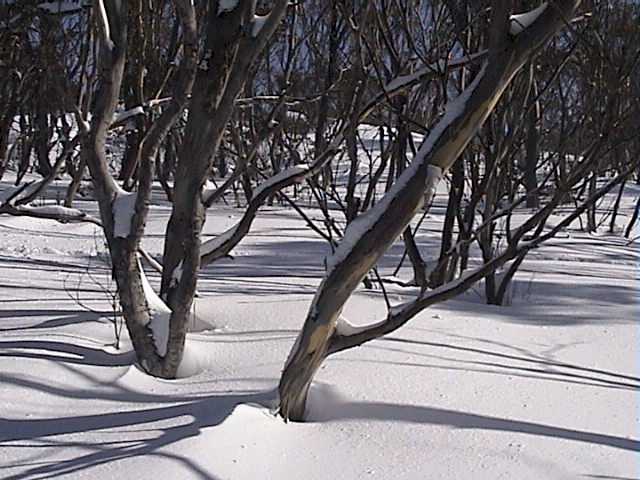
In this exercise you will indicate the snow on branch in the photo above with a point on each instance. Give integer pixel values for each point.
(404, 81)
(11, 199)
(121, 117)
(365, 222)
(127, 114)
(50, 212)
(212, 245)
(346, 329)
(293, 173)
(522, 21)
(103, 21)
(218, 247)
(348, 336)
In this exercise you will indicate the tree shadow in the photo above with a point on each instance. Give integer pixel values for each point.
(187, 415)
(542, 365)
(65, 352)
(552, 303)
(67, 317)
(389, 412)
(201, 414)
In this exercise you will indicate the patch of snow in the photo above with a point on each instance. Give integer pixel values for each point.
(289, 172)
(365, 222)
(57, 210)
(123, 211)
(226, 6)
(402, 80)
(346, 328)
(176, 275)
(27, 192)
(132, 112)
(104, 19)
(208, 188)
(257, 24)
(520, 22)
(159, 313)
(215, 243)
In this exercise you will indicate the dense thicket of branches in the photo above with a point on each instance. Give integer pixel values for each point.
(329, 100)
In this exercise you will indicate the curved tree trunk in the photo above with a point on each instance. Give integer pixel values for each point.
(367, 238)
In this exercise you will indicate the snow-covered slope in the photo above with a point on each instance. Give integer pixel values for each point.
(544, 389)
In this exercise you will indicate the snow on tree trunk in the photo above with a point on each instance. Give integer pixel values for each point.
(367, 238)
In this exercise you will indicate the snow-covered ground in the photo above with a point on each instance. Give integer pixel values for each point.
(546, 388)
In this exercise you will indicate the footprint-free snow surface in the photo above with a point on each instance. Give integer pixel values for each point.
(545, 388)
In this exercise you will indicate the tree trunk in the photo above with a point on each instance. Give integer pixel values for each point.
(369, 237)
(531, 159)
(447, 262)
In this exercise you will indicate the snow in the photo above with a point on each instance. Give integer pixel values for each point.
(258, 23)
(159, 313)
(104, 21)
(57, 210)
(176, 275)
(132, 112)
(402, 80)
(123, 115)
(26, 192)
(520, 22)
(208, 188)
(215, 243)
(9, 191)
(227, 6)
(289, 172)
(365, 222)
(546, 388)
(123, 210)
(345, 328)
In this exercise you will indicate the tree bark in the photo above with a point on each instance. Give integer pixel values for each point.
(364, 243)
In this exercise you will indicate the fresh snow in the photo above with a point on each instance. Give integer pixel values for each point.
(289, 172)
(345, 328)
(58, 210)
(520, 22)
(104, 20)
(132, 112)
(159, 313)
(215, 243)
(365, 222)
(403, 80)
(546, 388)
